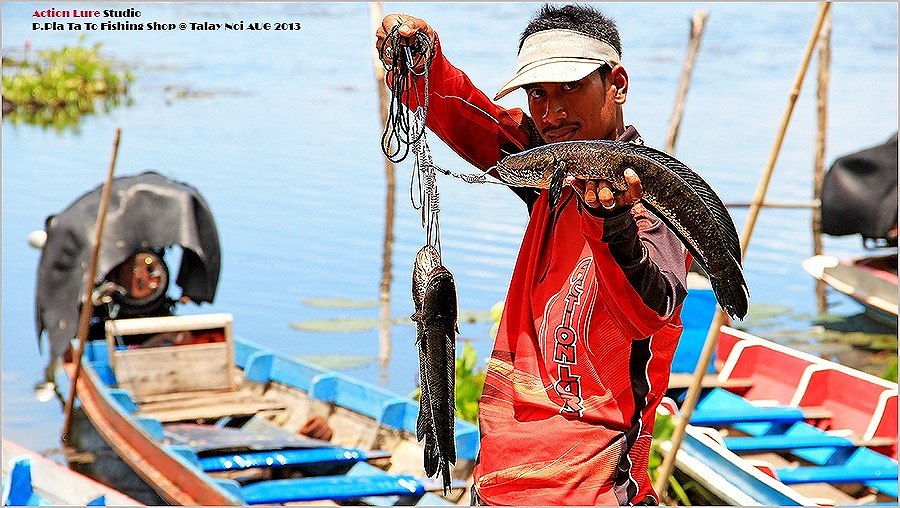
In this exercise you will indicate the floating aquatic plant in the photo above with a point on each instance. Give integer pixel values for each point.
(338, 362)
(337, 325)
(340, 303)
(58, 86)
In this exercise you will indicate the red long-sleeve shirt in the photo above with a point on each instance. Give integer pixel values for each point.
(590, 325)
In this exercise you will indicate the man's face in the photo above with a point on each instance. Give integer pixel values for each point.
(586, 109)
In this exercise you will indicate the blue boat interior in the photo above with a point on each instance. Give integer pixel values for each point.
(342, 473)
(18, 489)
(832, 459)
(696, 314)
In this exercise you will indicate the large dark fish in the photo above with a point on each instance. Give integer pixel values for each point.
(673, 191)
(434, 297)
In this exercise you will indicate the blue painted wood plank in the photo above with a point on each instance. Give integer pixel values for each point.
(773, 415)
(751, 485)
(242, 351)
(123, 399)
(834, 474)
(720, 407)
(282, 458)
(259, 367)
(293, 373)
(337, 488)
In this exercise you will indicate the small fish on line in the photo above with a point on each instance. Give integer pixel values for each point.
(672, 191)
(436, 311)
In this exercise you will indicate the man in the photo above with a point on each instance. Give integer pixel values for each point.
(592, 317)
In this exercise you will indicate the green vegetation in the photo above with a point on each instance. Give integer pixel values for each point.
(337, 325)
(891, 373)
(683, 490)
(662, 431)
(340, 303)
(57, 87)
(469, 384)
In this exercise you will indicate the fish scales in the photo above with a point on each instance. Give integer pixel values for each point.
(674, 192)
(434, 298)
(427, 259)
(439, 314)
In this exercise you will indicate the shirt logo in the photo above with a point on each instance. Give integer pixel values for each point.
(565, 345)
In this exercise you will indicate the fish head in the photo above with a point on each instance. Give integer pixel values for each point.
(440, 297)
(427, 259)
(531, 168)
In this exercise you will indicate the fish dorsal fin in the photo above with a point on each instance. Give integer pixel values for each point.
(703, 190)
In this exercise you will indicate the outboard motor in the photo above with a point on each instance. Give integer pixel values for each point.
(147, 214)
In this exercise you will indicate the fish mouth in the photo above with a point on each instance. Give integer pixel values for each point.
(562, 133)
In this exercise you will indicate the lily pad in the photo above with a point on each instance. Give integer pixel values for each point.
(337, 325)
(874, 341)
(338, 362)
(475, 316)
(768, 311)
(340, 303)
(819, 318)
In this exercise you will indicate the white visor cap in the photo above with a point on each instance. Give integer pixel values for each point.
(558, 56)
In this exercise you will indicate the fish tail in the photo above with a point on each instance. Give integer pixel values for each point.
(731, 291)
(432, 458)
(445, 475)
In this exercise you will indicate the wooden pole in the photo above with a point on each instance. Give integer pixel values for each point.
(698, 25)
(821, 137)
(384, 297)
(87, 306)
(693, 393)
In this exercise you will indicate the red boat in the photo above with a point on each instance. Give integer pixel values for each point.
(784, 427)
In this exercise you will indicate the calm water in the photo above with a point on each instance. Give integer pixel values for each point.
(280, 132)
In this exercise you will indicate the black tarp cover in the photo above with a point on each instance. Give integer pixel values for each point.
(859, 195)
(146, 211)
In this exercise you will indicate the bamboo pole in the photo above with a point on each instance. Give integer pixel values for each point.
(384, 295)
(698, 25)
(693, 393)
(819, 165)
(87, 306)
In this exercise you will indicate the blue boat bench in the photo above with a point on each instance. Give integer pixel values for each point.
(288, 458)
(260, 444)
(719, 407)
(362, 481)
(834, 459)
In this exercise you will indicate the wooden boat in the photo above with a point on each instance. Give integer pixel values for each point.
(209, 419)
(787, 428)
(859, 197)
(871, 281)
(206, 419)
(30, 479)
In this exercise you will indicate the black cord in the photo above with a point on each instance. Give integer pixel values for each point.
(404, 126)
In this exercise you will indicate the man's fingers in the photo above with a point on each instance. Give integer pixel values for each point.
(408, 28)
(605, 194)
(390, 21)
(635, 189)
